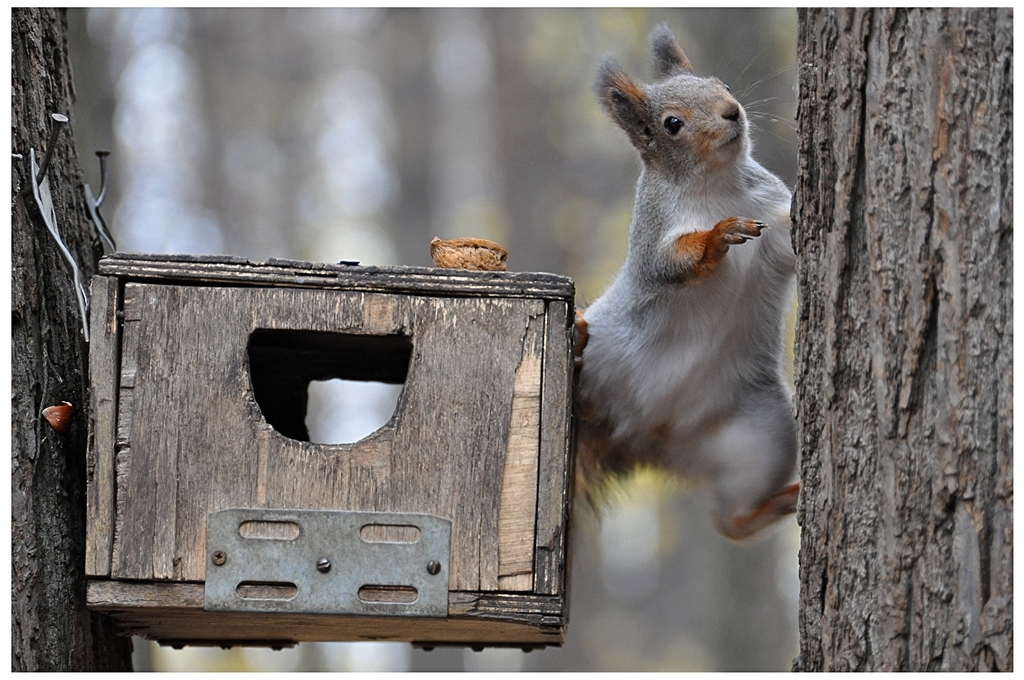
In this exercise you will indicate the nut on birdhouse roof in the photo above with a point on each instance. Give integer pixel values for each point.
(468, 253)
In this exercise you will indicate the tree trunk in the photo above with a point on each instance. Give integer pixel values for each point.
(903, 230)
(51, 628)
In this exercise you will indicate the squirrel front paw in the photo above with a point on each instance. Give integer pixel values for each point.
(581, 336)
(734, 230)
(699, 252)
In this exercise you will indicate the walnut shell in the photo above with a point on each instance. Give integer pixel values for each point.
(468, 253)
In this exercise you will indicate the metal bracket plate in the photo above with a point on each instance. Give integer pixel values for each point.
(327, 562)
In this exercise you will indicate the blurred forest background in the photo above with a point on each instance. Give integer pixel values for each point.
(359, 134)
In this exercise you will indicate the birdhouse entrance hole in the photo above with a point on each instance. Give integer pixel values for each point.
(328, 388)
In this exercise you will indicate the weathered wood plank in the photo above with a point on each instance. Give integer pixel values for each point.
(407, 280)
(135, 483)
(553, 494)
(517, 509)
(171, 612)
(122, 464)
(148, 522)
(517, 582)
(104, 365)
(216, 422)
(545, 610)
(161, 359)
(129, 362)
(124, 594)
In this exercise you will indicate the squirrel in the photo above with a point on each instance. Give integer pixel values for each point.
(679, 361)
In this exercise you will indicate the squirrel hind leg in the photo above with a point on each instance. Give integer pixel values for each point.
(755, 461)
(742, 526)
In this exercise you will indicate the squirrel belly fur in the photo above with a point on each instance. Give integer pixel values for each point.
(680, 359)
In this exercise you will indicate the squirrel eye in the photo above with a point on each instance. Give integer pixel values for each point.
(673, 125)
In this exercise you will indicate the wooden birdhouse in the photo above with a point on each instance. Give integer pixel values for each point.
(212, 521)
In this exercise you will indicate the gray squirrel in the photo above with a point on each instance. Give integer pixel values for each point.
(679, 361)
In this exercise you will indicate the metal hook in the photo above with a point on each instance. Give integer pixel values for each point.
(98, 223)
(61, 120)
(102, 155)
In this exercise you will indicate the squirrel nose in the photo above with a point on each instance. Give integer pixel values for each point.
(732, 112)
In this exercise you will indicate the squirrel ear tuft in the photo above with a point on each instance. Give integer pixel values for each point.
(667, 56)
(625, 101)
(614, 87)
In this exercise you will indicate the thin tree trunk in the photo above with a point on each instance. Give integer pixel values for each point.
(903, 230)
(50, 626)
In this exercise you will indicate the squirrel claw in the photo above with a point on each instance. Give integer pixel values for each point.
(748, 228)
(733, 239)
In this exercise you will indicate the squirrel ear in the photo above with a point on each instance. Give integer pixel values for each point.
(666, 54)
(625, 101)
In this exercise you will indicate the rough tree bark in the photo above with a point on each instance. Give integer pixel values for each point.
(903, 228)
(50, 627)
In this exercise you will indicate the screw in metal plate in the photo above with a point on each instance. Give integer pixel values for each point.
(219, 557)
(323, 565)
(433, 567)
